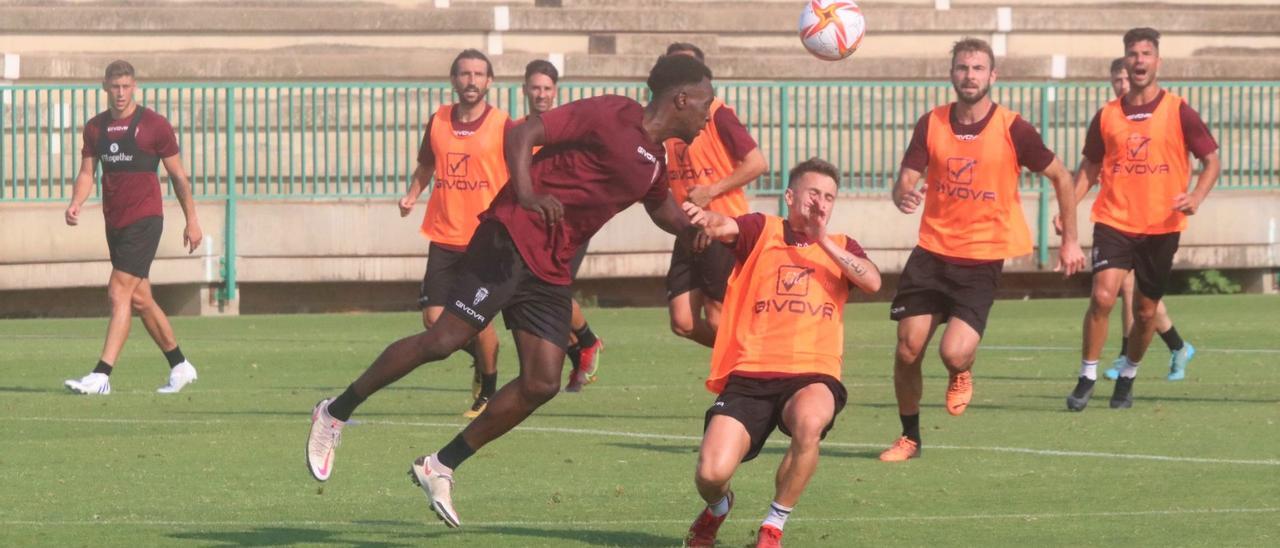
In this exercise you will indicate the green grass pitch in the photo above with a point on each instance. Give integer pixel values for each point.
(1194, 463)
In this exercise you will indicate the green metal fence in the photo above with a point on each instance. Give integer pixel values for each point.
(326, 140)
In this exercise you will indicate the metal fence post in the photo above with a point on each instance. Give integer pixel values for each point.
(1044, 220)
(229, 239)
(784, 141)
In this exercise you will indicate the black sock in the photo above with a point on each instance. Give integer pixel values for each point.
(1171, 339)
(342, 406)
(454, 454)
(586, 339)
(911, 426)
(488, 384)
(175, 357)
(104, 368)
(1124, 345)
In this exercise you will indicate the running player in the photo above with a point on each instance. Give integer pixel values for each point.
(130, 141)
(541, 79)
(1137, 146)
(602, 155)
(789, 284)
(1182, 351)
(972, 152)
(462, 150)
(711, 173)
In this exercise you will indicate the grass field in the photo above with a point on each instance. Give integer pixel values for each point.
(1194, 463)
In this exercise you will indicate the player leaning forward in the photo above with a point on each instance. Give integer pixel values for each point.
(777, 359)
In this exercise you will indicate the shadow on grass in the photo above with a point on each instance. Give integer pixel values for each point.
(282, 536)
(769, 449)
(1100, 394)
(31, 390)
(429, 534)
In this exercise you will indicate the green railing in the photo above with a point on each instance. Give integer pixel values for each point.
(327, 140)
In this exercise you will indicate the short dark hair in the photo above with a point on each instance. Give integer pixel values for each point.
(470, 53)
(813, 165)
(118, 68)
(542, 66)
(677, 47)
(672, 71)
(1117, 65)
(1142, 34)
(966, 45)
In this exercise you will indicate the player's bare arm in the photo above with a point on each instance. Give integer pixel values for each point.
(1086, 177)
(191, 235)
(1070, 256)
(80, 190)
(518, 151)
(670, 218)
(1210, 168)
(753, 166)
(417, 184)
(860, 272)
(906, 195)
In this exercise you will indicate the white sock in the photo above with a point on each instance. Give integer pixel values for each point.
(777, 515)
(720, 508)
(1130, 368)
(1089, 369)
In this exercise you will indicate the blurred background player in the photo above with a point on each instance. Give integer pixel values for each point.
(540, 90)
(602, 155)
(131, 141)
(462, 149)
(972, 152)
(793, 385)
(1182, 351)
(711, 173)
(1137, 148)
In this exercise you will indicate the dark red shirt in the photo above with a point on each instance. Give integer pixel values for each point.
(427, 157)
(597, 160)
(129, 196)
(737, 141)
(1199, 141)
(1027, 144)
(751, 225)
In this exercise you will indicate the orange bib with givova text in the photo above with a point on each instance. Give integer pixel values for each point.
(704, 162)
(1144, 169)
(972, 209)
(783, 312)
(470, 170)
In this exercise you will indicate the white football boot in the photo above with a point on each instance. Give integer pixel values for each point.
(97, 384)
(326, 433)
(180, 376)
(438, 487)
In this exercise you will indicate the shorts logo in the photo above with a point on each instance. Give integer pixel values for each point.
(793, 280)
(718, 404)
(960, 170)
(457, 164)
(1136, 147)
(462, 307)
(897, 309)
(481, 294)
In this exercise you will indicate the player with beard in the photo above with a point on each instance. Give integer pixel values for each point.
(972, 153)
(601, 155)
(462, 150)
(1138, 147)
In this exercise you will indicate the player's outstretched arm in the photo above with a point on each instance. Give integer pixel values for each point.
(752, 167)
(905, 194)
(859, 271)
(1210, 168)
(80, 190)
(518, 151)
(191, 235)
(417, 184)
(668, 217)
(1070, 257)
(713, 224)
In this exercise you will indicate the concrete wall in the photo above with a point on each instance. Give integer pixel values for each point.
(348, 254)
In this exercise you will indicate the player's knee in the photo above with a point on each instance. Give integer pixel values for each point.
(538, 391)
(955, 359)
(682, 328)
(1102, 299)
(710, 474)
(1145, 313)
(807, 432)
(907, 354)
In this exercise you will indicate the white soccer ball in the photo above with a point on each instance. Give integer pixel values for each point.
(831, 29)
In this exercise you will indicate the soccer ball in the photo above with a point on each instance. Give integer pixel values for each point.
(831, 29)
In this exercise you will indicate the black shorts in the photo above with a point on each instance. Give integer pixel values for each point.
(707, 271)
(758, 404)
(576, 263)
(494, 278)
(931, 285)
(443, 265)
(1149, 256)
(133, 247)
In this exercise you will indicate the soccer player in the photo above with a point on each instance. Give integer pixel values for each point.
(971, 153)
(541, 79)
(711, 173)
(462, 149)
(601, 155)
(1182, 351)
(777, 361)
(1137, 146)
(130, 141)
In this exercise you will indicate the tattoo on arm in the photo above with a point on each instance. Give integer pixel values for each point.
(858, 269)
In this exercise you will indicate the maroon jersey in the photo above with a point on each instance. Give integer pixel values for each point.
(737, 142)
(1199, 141)
(1027, 144)
(129, 151)
(597, 160)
